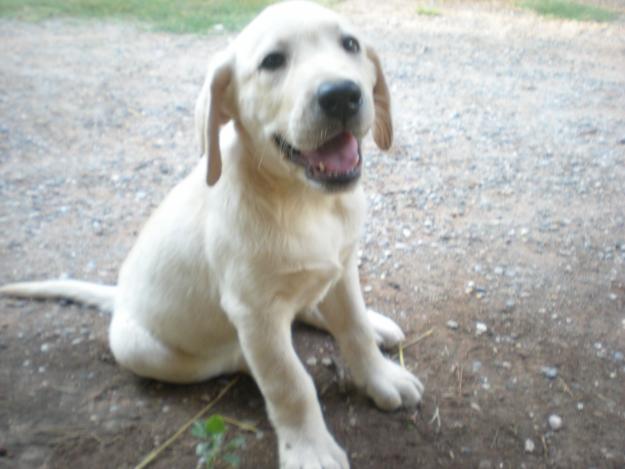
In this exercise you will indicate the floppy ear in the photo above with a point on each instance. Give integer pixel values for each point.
(212, 111)
(383, 124)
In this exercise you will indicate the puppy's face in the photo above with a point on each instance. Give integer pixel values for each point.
(302, 92)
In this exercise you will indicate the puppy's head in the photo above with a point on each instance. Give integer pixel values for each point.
(303, 90)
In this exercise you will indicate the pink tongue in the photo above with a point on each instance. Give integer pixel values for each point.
(339, 155)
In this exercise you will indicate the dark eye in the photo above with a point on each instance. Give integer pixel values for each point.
(273, 61)
(351, 44)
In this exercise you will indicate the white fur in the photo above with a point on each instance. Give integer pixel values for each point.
(219, 273)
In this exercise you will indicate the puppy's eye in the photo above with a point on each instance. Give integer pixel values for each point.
(273, 61)
(350, 44)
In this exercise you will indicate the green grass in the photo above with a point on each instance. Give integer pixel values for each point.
(182, 16)
(569, 10)
(213, 447)
(428, 11)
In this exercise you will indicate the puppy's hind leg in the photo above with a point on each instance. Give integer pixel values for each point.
(136, 349)
(386, 332)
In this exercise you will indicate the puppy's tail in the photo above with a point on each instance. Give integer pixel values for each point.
(101, 296)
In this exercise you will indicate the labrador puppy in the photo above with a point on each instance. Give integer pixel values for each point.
(264, 231)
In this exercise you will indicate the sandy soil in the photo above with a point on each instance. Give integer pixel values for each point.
(497, 222)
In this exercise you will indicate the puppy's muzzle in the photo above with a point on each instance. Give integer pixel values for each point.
(340, 99)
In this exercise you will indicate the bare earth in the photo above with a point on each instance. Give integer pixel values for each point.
(502, 203)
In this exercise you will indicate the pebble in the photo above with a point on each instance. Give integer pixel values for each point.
(618, 356)
(555, 422)
(480, 328)
(452, 324)
(311, 361)
(45, 348)
(326, 361)
(529, 446)
(549, 372)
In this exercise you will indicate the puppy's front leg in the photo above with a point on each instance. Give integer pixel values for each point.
(289, 392)
(344, 311)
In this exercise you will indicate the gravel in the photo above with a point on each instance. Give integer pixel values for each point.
(451, 324)
(480, 328)
(555, 422)
(549, 372)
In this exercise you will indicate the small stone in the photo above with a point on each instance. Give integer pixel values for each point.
(618, 356)
(613, 296)
(555, 422)
(406, 232)
(368, 289)
(311, 361)
(45, 348)
(549, 372)
(165, 409)
(97, 227)
(326, 361)
(529, 446)
(580, 406)
(480, 328)
(452, 324)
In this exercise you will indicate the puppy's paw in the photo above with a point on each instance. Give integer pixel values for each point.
(387, 333)
(298, 451)
(391, 386)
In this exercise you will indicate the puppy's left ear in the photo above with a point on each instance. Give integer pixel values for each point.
(383, 124)
(212, 110)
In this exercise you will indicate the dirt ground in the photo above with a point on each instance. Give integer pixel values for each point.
(496, 225)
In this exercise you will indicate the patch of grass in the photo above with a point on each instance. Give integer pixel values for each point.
(569, 10)
(182, 16)
(428, 11)
(213, 447)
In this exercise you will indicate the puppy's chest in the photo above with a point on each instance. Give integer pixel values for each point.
(314, 260)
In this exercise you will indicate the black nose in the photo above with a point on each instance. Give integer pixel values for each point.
(340, 99)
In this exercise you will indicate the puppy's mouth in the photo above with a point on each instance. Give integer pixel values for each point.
(335, 164)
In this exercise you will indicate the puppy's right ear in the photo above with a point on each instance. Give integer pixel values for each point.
(212, 110)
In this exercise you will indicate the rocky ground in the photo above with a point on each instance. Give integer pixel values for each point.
(496, 233)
